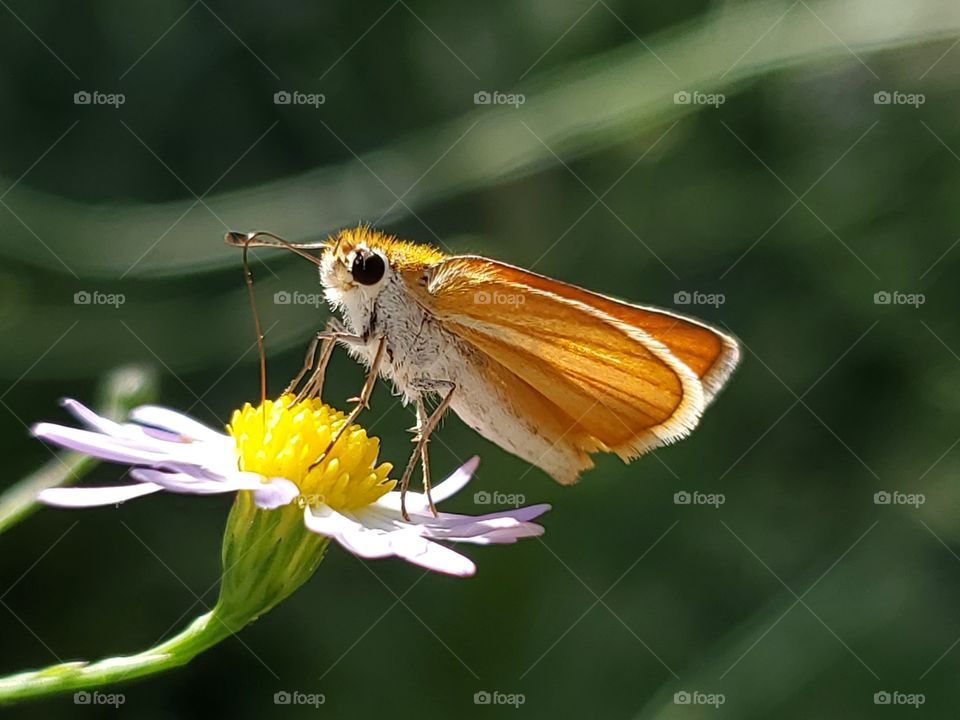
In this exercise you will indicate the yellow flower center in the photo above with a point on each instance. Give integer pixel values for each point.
(285, 438)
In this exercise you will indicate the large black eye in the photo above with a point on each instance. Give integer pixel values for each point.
(368, 268)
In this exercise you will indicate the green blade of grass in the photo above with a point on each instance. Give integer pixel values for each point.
(570, 112)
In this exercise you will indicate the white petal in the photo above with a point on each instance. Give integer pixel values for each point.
(96, 444)
(505, 526)
(76, 497)
(440, 492)
(181, 482)
(433, 556)
(524, 514)
(89, 418)
(148, 437)
(370, 542)
(276, 493)
(502, 518)
(365, 542)
(502, 536)
(456, 482)
(469, 529)
(502, 527)
(172, 421)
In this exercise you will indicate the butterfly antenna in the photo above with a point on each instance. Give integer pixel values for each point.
(248, 278)
(263, 238)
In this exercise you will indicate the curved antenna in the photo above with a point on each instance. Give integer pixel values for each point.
(261, 351)
(263, 238)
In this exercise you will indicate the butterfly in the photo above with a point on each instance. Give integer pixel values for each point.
(547, 370)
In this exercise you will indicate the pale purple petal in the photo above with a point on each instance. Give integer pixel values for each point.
(134, 447)
(417, 549)
(523, 514)
(181, 482)
(500, 527)
(369, 542)
(164, 435)
(172, 421)
(106, 426)
(187, 483)
(499, 536)
(379, 530)
(96, 444)
(365, 542)
(375, 542)
(89, 418)
(268, 495)
(278, 492)
(77, 497)
(456, 482)
(198, 472)
(519, 514)
(440, 492)
(468, 529)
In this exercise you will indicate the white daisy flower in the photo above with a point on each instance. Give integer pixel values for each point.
(271, 451)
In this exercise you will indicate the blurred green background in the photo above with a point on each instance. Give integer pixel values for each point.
(794, 201)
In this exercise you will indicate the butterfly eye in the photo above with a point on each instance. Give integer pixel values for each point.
(368, 268)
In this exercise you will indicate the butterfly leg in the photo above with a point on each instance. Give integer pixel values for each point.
(425, 427)
(362, 400)
(314, 385)
(307, 364)
(422, 420)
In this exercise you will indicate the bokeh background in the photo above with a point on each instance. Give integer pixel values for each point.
(781, 196)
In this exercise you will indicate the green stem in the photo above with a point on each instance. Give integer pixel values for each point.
(202, 634)
(20, 501)
(267, 555)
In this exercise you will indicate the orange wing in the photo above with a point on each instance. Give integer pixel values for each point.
(711, 354)
(626, 379)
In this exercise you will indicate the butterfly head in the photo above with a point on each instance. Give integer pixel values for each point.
(358, 264)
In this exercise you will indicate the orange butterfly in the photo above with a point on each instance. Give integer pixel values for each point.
(548, 371)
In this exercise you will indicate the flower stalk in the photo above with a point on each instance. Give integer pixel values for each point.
(202, 634)
(267, 555)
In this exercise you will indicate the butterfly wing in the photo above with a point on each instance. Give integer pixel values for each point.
(711, 354)
(605, 368)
